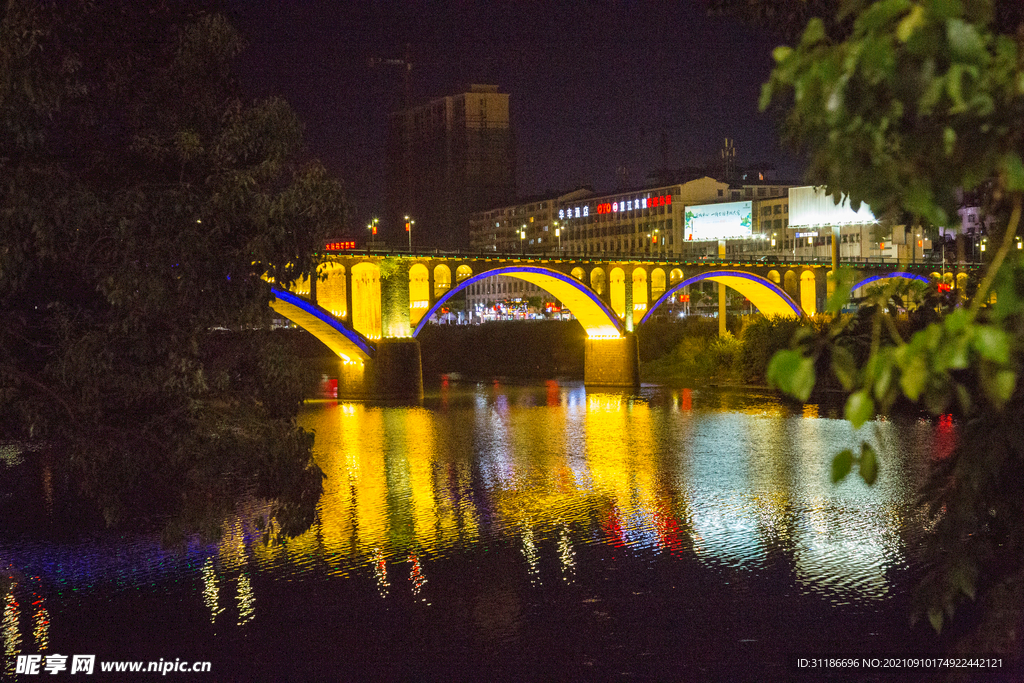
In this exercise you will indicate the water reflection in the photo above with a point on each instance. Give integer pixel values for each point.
(549, 481)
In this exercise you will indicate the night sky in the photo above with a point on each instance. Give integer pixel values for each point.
(594, 87)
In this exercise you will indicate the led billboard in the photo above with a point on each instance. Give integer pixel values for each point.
(730, 220)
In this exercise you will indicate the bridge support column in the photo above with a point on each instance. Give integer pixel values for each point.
(394, 295)
(612, 362)
(722, 308)
(395, 373)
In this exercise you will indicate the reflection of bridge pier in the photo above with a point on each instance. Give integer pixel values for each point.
(369, 307)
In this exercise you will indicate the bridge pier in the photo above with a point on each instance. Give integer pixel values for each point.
(395, 373)
(613, 362)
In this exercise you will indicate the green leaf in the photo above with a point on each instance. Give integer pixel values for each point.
(965, 41)
(791, 372)
(781, 53)
(841, 294)
(999, 387)
(814, 33)
(992, 344)
(935, 617)
(1014, 169)
(948, 140)
(842, 463)
(844, 367)
(915, 376)
(868, 465)
(956, 321)
(910, 23)
(859, 408)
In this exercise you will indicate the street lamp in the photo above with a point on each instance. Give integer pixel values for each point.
(522, 236)
(558, 234)
(408, 228)
(372, 229)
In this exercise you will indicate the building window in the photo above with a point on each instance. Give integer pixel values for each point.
(761, 191)
(720, 193)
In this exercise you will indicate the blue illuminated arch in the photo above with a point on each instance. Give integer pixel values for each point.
(875, 278)
(347, 344)
(766, 296)
(595, 315)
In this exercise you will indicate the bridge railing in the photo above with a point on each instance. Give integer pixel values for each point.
(754, 260)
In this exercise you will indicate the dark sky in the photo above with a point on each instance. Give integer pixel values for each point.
(593, 86)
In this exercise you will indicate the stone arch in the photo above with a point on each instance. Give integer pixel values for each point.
(366, 312)
(349, 345)
(639, 292)
(579, 273)
(598, 281)
(597, 317)
(773, 276)
(419, 292)
(764, 294)
(875, 278)
(937, 277)
(463, 273)
(442, 280)
(808, 292)
(617, 290)
(330, 289)
(961, 281)
(791, 284)
(675, 277)
(657, 283)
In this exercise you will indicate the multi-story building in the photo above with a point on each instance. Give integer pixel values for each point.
(649, 220)
(447, 159)
(530, 226)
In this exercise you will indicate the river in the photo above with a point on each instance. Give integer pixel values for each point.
(540, 532)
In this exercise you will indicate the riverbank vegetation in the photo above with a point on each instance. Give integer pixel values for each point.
(144, 203)
(904, 106)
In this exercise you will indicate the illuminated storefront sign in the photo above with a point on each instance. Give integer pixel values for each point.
(718, 221)
(637, 204)
(340, 246)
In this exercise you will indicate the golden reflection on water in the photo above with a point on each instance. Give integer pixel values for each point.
(728, 478)
(12, 634)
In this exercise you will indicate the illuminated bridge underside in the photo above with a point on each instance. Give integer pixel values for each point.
(595, 316)
(875, 278)
(349, 345)
(766, 296)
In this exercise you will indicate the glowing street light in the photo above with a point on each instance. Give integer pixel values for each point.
(408, 228)
(522, 236)
(558, 234)
(371, 227)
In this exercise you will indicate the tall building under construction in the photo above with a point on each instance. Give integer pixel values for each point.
(446, 159)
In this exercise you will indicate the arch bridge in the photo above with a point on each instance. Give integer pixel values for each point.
(368, 307)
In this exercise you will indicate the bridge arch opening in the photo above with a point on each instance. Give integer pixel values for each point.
(366, 303)
(675, 277)
(789, 284)
(765, 295)
(598, 281)
(463, 273)
(808, 292)
(419, 292)
(639, 292)
(888, 276)
(773, 276)
(657, 283)
(330, 289)
(579, 273)
(617, 290)
(595, 315)
(442, 280)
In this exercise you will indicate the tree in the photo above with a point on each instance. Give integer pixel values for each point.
(917, 99)
(144, 202)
